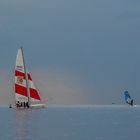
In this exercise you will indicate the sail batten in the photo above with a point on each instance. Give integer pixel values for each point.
(21, 90)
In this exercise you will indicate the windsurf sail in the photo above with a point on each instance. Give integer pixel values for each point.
(26, 94)
(128, 98)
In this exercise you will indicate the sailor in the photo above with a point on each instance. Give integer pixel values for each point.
(17, 104)
(131, 102)
(24, 104)
(27, 104)
(21, 104)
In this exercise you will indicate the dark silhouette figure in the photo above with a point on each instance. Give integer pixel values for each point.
(27, 104)
(24, 104)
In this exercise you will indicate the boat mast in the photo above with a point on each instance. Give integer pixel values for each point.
(26, 77)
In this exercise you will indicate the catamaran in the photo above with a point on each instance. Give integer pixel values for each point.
(26, 94)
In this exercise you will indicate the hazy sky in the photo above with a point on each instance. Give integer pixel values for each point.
(79, 51)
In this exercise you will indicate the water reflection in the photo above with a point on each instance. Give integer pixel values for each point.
(22, 124)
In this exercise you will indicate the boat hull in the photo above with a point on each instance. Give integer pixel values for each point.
(32, 106)
(38, 106)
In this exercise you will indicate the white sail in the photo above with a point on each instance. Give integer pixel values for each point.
(20, 81)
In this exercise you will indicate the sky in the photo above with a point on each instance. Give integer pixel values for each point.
(78, 51)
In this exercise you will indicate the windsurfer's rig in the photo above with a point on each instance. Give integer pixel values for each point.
(128, 98)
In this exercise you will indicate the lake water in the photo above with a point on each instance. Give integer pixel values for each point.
(71, 123)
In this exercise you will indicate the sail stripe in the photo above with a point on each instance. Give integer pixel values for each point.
(21, 90)
(29, 77)
(18, 73)
(34, 94)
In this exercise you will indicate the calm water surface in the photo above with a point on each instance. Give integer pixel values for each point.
(87, 123)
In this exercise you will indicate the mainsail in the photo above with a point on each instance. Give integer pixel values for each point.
(21, 94)
(26, 94)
